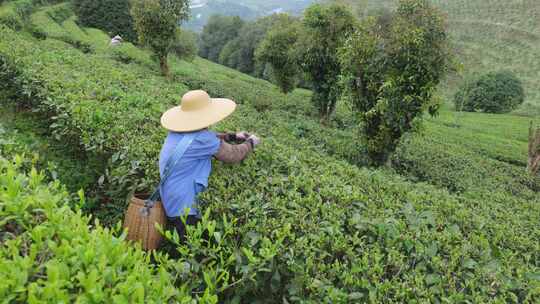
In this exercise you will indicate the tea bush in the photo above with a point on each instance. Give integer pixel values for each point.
(500, 92)
(112, 17)
(49, 253)
(293, 222)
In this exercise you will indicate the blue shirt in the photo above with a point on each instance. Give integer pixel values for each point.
(190, 175)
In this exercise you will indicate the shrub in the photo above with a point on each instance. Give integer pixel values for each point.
(49, 253)
(499, 92)
(392, 77)
(110, 16)
(9, 17)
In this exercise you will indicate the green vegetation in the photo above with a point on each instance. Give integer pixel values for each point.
(276, 50)
(156, 22)
(185, 45)
(299, 221)
(49, 253)
(249, 10)
(500, 92)
(25, 133)
(216, 34)
(113, 17)
(392, 73)
(490, 36)
(312, 46)
(239, 53)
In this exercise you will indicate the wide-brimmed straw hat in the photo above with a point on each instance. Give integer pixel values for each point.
(196, 112)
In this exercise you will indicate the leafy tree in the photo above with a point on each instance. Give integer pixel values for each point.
(218, 31)
(392, 76)
(156, 22)
(185, 45)
(311, 47)
(500, 92)
(239, 53)
(325, 30)
(110, 16)
(276, 50)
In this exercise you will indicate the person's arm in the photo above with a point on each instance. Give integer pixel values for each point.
(233, 154)
(227, 137)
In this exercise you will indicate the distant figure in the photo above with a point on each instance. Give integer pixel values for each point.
(117, 40)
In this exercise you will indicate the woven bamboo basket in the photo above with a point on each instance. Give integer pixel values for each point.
(142, 227)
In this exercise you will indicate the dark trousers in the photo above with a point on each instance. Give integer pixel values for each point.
(178, 224)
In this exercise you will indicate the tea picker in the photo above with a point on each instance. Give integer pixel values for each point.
(117, 40)
(185, 164)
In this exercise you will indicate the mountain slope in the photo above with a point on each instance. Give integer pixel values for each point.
(201, 10)
(298, 220)
(492, 35)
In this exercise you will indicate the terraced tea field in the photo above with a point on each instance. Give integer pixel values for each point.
(454, 219)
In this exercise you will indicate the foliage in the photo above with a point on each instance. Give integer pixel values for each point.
(239, 53)
(312, 47)
(111, 16)
(156, 22)
(392, 76)
(185, 45)
(16, 14)
(276, 50)
(216, 33)
(326, 30)
(50, 254)
(310, 227)
(499, 92)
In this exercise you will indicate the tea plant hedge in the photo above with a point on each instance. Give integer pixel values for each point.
(293, 223)
(50, 253)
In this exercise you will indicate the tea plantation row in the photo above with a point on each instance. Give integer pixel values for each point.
(51, 253)
(293, 222)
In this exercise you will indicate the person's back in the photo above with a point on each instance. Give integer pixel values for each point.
(117, 40)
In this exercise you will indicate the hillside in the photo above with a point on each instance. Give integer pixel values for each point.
(302, 221)
(201, 10)
(493, 35)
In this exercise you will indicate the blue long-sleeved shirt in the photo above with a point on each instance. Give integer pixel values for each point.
(190, 175)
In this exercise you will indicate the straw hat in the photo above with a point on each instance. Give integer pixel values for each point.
(197, 111)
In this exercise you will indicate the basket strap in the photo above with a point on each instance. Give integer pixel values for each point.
(179, 152)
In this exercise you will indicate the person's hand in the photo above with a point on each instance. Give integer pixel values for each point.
(254, 140)
(242, 135)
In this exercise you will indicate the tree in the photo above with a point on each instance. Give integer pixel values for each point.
(156, 22)
(239, 53)
(534, 150)
(325, 30)
(276, 50)
(185, 45)
(110, 16)
(392, 75)
(216, 33)
(499, 92)
(311, 47)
